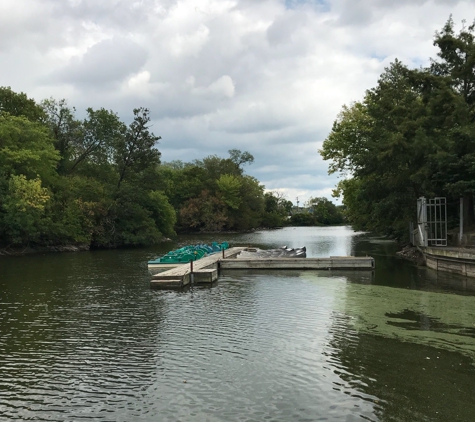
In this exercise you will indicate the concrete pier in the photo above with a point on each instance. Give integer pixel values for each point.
(206, 270)
(332, 263)
(454, 260)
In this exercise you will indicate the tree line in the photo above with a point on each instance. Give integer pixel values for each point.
(100, 182)
(412, 135)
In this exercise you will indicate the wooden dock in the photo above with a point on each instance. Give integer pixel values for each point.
(156, 268)
(206, 270)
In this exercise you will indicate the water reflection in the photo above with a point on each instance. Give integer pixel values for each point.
(82, 336)
(320, 241)
(323, 242)
(410, 350)
(411, 382)
(444, 281)
(73, 344)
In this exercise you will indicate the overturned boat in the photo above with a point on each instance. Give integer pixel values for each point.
(283, 252)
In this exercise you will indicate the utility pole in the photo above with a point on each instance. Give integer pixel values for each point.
(297, 204)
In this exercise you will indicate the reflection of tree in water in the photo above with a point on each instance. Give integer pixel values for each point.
(418, 321)
(365, 244)
(397, 272)
(412, 382)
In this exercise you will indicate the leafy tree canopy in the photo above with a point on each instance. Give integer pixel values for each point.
(18, 104)
(411, 135)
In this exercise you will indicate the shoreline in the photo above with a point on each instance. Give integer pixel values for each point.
(27, 250)
(411, 253)
(6, 251)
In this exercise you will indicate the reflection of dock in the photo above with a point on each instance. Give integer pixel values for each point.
(206, 269)
(352, 276)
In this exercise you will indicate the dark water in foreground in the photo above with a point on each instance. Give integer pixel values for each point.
(83, 337)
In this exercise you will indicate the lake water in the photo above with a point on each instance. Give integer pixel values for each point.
(83, 337)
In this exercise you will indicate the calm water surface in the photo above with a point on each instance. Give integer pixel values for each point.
(83, 337)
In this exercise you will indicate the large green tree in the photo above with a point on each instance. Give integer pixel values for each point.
(277, 210)
(375, 142)
(26, 148)
(65, 129)
(135, 151)
(23, 210)
(213, 193)
(27, 163)
(411, 135)
(18, 104)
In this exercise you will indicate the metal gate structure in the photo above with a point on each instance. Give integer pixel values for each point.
(432, 221)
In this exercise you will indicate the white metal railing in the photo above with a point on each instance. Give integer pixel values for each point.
(431, 222)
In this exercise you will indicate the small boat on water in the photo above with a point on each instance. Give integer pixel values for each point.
(187, 254)
(283, 252)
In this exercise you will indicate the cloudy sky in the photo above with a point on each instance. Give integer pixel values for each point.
(266, 76)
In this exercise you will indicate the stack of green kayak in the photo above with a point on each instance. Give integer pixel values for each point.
(190, 253)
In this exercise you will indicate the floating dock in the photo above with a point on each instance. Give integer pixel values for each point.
(206, 270)
(162, 267)
(331, 263)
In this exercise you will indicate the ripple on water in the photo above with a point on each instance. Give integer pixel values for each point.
(257, 347)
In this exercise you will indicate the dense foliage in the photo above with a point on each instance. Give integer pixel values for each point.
(66, 181)
(318, 212)
(412, 135)
(100, 182)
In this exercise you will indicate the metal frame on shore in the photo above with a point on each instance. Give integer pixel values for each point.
(206, 270)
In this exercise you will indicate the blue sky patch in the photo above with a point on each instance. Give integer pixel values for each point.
(323, 5)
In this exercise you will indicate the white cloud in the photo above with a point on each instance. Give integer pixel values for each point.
(104, 64)
(265, 76)
(220, 88)
(189, 44)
